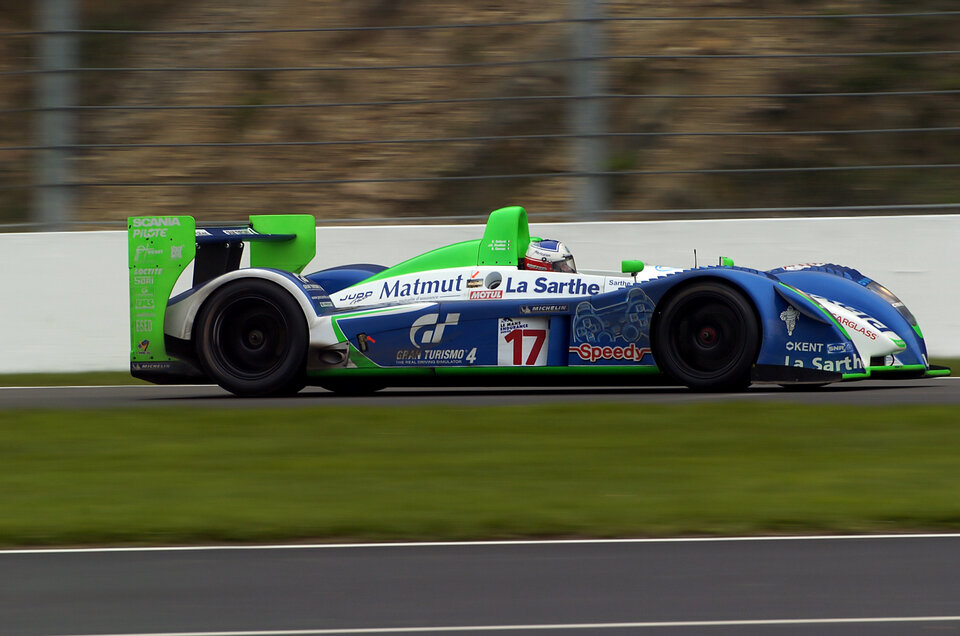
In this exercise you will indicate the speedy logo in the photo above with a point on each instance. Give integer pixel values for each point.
(420, 335)
(592, 353)
(150, 227)
(486, 294)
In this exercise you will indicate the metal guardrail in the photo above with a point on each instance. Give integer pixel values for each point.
(57, 109)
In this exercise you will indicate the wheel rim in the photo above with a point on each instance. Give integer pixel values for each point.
(709, 337)
(250, 338)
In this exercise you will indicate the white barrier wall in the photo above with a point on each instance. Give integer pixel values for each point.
(65, 307)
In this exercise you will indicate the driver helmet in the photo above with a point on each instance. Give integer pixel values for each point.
(549, 255)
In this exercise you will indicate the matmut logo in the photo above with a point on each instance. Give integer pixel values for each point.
(420, 335)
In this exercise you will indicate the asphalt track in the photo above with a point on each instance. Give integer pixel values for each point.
(869, 392)
(716, 587)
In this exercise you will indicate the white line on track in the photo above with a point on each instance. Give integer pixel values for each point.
(568, 626)
(440, 544)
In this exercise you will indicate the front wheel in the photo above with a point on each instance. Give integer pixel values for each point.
(707, 337)
(252, 339)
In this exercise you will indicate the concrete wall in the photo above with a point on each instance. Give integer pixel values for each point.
(65, 308)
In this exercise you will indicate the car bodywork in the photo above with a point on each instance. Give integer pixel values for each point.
(466, 313)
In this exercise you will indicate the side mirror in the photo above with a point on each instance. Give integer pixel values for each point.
(726, 261)
(631, 267)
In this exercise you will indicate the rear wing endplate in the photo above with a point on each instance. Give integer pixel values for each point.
(161, 247)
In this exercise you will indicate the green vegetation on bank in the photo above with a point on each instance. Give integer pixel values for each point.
(178, 475)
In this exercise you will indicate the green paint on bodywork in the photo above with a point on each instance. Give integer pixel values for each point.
(457, 255)
(338, 332)
(506, 237)
(906, 367)
(542, 371)
(916, 328)
(362, 361)
(371, 372)
(289, 256)
(856, 376)
(504, 242)
(875, 370)
(487, 372)
(369, 312)
(899, 343)
(159, 248)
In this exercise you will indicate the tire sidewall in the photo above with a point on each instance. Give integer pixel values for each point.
(736, 374)
(288, 376)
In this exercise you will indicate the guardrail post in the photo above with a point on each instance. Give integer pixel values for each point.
(587, 116)
(55, 124)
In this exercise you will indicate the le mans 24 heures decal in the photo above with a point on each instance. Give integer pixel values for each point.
(471, 312)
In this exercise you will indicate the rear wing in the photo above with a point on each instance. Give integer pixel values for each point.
(159, 249)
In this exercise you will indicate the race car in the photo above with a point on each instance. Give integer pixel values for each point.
(502, 309)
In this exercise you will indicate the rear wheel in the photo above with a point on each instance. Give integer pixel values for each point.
(707, 337)
(252, 339)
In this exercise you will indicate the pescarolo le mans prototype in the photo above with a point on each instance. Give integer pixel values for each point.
(503, 309)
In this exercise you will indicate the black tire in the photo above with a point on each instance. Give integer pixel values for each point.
(707, 337)
(352, 387)
(252, 339)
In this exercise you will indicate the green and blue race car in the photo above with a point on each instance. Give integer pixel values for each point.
(484, 312)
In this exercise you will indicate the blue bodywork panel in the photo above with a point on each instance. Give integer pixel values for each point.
(614, 329)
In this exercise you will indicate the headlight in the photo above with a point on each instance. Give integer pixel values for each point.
(895, 302)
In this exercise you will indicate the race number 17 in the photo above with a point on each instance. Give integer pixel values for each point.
(523, 342)
(529, 340)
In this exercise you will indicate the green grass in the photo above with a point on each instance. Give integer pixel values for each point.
(178, 476)
(87, 378)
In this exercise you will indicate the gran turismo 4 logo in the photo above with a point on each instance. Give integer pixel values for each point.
(420, 335)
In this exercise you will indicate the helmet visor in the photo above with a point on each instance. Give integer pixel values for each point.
(567, 265)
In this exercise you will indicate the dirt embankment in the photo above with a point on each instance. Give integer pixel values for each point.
(354, 167)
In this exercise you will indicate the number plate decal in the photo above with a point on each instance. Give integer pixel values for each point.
(522, 342)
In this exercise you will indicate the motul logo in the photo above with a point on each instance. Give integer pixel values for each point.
(486, 294)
